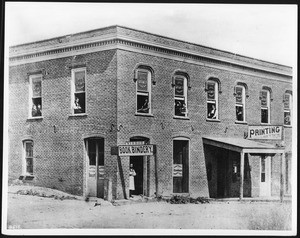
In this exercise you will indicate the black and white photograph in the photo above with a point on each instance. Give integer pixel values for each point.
(149, 119)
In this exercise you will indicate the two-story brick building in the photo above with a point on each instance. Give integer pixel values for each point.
(190, 119)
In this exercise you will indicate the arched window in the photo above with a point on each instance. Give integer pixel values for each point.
(143, 91)
(180, 96)
(265, 99)
(287, 107)
(28, 157)
(35, 95)
(78, 89)
(212, 89)
(240, 95)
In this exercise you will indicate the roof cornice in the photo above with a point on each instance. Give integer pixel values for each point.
(64, 47)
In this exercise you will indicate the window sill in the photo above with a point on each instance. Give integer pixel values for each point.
(78, 115)
(213, 120)
(241, 122)
(34, 118)
(26, 177)
(288, 126)
(181, 118)
(143, 114)
(265, 124)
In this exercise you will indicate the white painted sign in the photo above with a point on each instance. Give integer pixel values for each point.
(135, 142)
(177, 170)
(135, 150)
(265, 132)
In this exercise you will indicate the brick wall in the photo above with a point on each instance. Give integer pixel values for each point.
(59, 155)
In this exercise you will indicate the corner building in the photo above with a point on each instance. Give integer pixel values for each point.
(192, 120)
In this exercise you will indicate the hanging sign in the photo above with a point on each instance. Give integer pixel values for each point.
(135, 150)
(265, 132)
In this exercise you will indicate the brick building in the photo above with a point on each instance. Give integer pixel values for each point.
(190, 119)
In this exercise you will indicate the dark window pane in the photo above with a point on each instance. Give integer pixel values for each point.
(264, 116)
(211, 110)
(143, 103)
(79, 81)
(29, 165)
(179, 87)
(287, 118)
(79, 103)
(239, 94)
(211, 91)
(263, 177)
(180, 108)
(263, 164)
(29, 149)
(36, 87)
(36, 107)
(142, 81)
(264, 98)
(92, 151)
(286, 101)
(239, 113)
(100, 152)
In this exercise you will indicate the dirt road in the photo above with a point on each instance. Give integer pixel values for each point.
(33, 212)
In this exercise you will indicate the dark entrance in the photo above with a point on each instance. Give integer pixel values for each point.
(180, 166)
(138, 166)
(221, 176)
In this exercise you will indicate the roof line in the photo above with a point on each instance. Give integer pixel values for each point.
(153, 34)
(208, 47)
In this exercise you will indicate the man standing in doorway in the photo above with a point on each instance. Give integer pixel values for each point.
(131, 180)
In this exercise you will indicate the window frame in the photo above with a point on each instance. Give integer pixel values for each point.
(215, 101)
(31, 97)
(242, 104)
(268, 107)
(25, 157)
(142, 93)
(287, 110)
(183, 97)
(74, 71)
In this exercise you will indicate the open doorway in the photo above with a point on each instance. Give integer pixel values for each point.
(138, 166)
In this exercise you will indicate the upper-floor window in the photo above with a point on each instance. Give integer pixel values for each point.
(143, 91)
(28, 157)
(212, 88)
(287, 102)
(78, 89)
(180, 96)
(265, 106)
(240, 103)
(35, 96)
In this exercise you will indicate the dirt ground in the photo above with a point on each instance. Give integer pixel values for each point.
(40, 212)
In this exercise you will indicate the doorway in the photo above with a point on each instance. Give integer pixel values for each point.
(180, 166)
(95, 167)
(138, 166)
(265, 176)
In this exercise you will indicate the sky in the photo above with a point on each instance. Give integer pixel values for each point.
(266, 32)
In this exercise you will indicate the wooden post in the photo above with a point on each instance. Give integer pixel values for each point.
(282, 177)
(242, 174)
(156, 172)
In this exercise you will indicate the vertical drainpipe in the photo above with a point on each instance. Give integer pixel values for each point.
(282, 177)
(242, 174)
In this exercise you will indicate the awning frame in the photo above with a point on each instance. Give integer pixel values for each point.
(259, 149)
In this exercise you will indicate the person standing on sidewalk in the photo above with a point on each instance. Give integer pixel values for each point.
(131, 180)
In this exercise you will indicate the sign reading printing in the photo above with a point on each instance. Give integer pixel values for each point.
(265, 132)
(135, 150)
